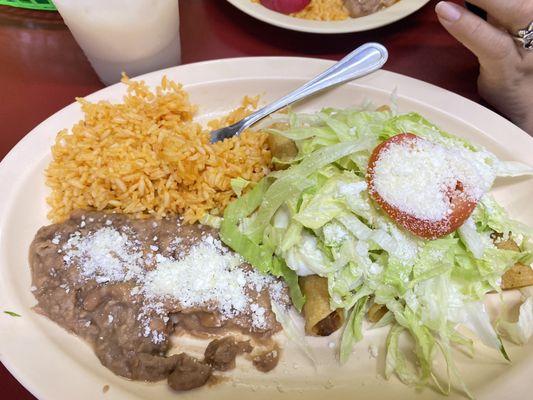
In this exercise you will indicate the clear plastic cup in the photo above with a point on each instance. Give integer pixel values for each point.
(131, 36)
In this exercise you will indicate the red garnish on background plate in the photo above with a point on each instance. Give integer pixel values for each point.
(285, 6)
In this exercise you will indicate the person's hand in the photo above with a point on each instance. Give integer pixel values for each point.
(506, 68)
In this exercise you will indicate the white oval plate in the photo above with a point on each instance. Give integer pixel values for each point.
(53, 364)
(387, 16)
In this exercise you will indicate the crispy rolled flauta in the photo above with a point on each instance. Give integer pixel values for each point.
(383, 108)
(519, 275)
(376, 312)
(282, 149)
(320, 320)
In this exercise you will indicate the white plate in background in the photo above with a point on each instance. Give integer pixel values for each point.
(387, 16)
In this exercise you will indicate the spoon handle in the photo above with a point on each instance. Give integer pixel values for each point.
(360, 62)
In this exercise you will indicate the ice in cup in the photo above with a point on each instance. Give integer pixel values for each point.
(131, 36)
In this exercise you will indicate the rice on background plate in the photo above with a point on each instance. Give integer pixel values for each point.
(321, 10)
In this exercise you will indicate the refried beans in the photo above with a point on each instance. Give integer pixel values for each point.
(125, 286)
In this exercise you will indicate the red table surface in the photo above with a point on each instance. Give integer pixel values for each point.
(42, 69)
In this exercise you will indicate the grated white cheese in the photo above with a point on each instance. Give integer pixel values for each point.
(258, 315)
(352, 189)
(105, 255)
(173, 246)
(158, 337)
(415, 176)
(373, 351)
(208, 274)
(375, 268)
(334, 234)
(276, 292)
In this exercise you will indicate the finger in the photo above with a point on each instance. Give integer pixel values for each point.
(488, 43)
(513, 14)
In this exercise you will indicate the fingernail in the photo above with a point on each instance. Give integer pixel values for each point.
(449, 12)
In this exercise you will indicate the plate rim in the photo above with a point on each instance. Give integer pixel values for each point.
(7, 171)
(391, 14)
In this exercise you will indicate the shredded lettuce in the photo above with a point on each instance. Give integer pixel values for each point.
(316, 217)
(490, 216)
(512, 169)
(520, 331)
(475, 241)
(288, 319)
(238, 185)
(352, 330)
(306, 258)
(260, 256)
(477, 320)
(396, 361)
(294, 181)
(214, 221)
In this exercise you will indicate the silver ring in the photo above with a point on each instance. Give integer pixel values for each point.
(525, 36)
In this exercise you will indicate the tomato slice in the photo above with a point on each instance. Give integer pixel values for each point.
(460, 204)
(285, 6)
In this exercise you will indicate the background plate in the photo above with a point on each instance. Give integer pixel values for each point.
(381, 18)
(55, 365)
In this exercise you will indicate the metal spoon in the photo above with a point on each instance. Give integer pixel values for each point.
(360, 62)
